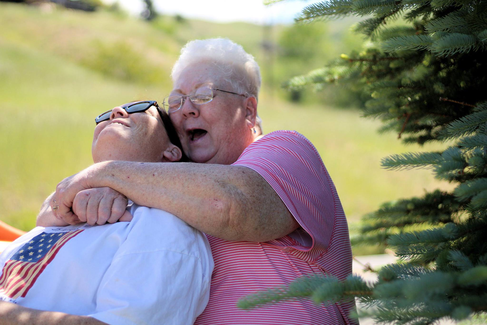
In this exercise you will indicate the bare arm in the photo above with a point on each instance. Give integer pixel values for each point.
(229, 202)
(12, 314)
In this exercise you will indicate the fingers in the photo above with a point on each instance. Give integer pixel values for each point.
(127, 216)
(62, 200)
(118, 209)
(99, 205)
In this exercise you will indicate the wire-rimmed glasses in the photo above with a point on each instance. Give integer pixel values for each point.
(201, 96)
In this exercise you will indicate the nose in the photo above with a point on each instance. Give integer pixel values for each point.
(188, 109)
(118, 112)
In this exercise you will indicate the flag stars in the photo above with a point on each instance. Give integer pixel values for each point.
(31, 253)
(21, 257)
(30, 247)
(39, 251)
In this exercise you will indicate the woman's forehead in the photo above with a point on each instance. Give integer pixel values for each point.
(195, 76)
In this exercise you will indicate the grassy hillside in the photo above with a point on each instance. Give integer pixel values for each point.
(60, 69)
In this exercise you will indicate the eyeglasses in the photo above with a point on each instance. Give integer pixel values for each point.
(202, 95)
(134, 107)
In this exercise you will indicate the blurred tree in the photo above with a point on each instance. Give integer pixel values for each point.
(424, 70)
(149, 12)
(300, 47)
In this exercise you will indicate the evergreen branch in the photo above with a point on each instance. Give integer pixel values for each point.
(375, 60)
(367, 7)
(482, 36)
(443, 99)
(479, 201)
(449, 170)
(426, 236)
(450, 23)
(427, 285)
(460, 260)
(411, 160)
(454, 43)
(465, 125)
(422, 9)
(326, 9)
(403, 43)
(369, 26)
(408, 116)
(395, 31)
(473, 276)
(403, 271)
(478, 140)
(322, 289)
(467, 190)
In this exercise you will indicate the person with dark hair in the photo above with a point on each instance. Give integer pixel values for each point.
(155, 269)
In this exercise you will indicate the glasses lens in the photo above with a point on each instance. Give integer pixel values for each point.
(173, 103)
(202, 95)
(138, 107)
(103, 117)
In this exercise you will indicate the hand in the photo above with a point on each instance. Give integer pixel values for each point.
(46, 217)
(62, 200)
(99, 206)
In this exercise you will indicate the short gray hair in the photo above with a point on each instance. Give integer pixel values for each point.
(232, 64)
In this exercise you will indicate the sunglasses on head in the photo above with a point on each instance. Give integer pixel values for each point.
(134, 107)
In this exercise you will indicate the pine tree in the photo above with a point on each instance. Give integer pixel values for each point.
(424, 70)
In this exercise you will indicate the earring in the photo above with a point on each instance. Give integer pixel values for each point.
(255, 131)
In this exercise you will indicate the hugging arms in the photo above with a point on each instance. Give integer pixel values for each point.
(267, 204)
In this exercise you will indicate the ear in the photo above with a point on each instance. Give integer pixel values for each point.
(171, 154)
(251, 111)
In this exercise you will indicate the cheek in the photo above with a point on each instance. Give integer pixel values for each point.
(176, 119)
(97, 131)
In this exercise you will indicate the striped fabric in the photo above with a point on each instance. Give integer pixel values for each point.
(293, 167)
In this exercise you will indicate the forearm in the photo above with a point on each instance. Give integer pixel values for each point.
(11, 314)
(230, 202)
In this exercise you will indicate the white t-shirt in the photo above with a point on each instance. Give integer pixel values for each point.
(155, 269)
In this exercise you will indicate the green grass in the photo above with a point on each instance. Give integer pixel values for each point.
(58, 70)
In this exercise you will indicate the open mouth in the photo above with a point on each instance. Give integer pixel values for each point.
(196, 134)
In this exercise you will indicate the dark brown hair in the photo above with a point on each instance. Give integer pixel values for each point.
(171, 132)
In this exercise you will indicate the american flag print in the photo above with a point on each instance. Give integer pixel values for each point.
(21, 271)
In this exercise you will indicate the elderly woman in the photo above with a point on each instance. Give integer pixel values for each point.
(267, 204)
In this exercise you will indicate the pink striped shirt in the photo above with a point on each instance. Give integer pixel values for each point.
(293, 167)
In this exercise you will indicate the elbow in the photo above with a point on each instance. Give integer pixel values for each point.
(232, 219)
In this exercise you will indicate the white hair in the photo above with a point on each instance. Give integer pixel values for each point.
(230, 62)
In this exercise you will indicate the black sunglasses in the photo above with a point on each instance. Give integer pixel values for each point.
(134, 107)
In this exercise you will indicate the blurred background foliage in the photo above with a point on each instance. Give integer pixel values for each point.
(60, 67)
